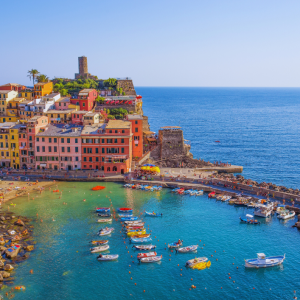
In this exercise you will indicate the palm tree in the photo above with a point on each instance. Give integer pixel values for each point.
(42, 78)
(32, 74)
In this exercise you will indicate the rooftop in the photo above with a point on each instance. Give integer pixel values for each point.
(80, 112)
(7, 91)
(56, 111)
(36, 118)
(134, 117)
(51, 95)
(41, 83)
(93, 129)
(61, 130)
(17, 99)
(85, 91)
(15, 84)
(116, 124)
(7, 125)
(63, 99)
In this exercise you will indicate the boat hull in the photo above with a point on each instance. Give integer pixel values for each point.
(266, 263)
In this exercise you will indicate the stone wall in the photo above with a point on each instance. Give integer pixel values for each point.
(171, 143)
(127, 86)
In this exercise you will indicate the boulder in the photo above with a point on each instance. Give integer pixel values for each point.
(8, 267)
(2, 218)
(19, 222)
(1, 277)
(13, 217)
(1, 264)
(2, 248)
(4, 274)
(8, 218)
(14, 253)
(29, 248)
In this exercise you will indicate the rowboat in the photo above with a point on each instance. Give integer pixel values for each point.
(249, 220)
(108, 257)
(104, 215)
(125, 209)
(151, 259)
(101, 242)
(153, 214)
(199, 193)
(141, 235)
(132, 233)
(134, 227)
(212, 195)
(149, 254)
(286, 215)
(187, 249)
(144, 247)
(174, 245)
(125, 215)
(201, 265)
(99, 249)
(263, 262)
(106, 231)
(138, 223)
(195, 260)
(102, 209)
(129, 218)
(140, 240)
(104, 220)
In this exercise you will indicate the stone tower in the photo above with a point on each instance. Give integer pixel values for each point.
(82, 65)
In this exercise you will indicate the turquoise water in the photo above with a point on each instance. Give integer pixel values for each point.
(65, 269)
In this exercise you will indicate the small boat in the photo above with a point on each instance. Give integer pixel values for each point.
(132, 228)
(108, 257)
(286, 215)
(201, 265)
(132, 233)
(144, 247)
(125, 209)
(102, 209)
(187, 249)
(240, 203)
(98, 188)
(190, 263)
(225, 198)
(129, 218)
(174, 245)
(180, 192)
(125, 215)
(153, 214)
(249, 219)
(263, 262)
(20, 287)
(151, 259)
(106, 231)
(141, 235)
(138, 222)
(175, 190)
(149, 254)
(104, 215)
(140, 240)
(199, 193)
(128, 185)
(187, 192)
(264, 211)
(104, 220)
(101, 242)
(99, 249)
(212, 195)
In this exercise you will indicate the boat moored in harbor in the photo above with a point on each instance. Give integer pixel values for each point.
(264, 262)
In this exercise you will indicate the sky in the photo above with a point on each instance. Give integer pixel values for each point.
(205, 43)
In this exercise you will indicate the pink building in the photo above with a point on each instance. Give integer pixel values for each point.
(59, 147)
(62, 103)
(77, 117)
(27, 135)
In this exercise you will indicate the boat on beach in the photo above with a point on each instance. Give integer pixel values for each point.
(187, 249)
(108, 257)
(99, 249)
(151, 259)
(190, 263)
(264, 262)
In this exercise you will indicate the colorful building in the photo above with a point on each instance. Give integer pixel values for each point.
(14, 146)
(59, 116)
(62, 103)
(12, 87)
(91, 118)
(77, 117)
(86, 99)
(27, 139)
(6, 143)
(5, 97)
(137, 134)
(59, 147)
(27, 93)
(42, 89)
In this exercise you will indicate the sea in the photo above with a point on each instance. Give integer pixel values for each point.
(258, 129)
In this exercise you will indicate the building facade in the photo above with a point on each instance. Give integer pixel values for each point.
(42, 89)
(137, 134)
(86, 99)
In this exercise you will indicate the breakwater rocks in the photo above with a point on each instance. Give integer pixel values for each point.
(15, 243)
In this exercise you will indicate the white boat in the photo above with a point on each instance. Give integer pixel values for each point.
(199, 193)
(108, 257)
(225, 198)
(106, 231)
(99, 249)
(263, 211)
(151, 259)
(134, 222)
(280, 208)
(286, 215)
(195, 260)
(187, 249)
(263, 262)
(104, 220)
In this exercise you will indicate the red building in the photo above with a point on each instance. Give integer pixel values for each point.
(77, 117)
(137, 134)
(107, 147)
(86, 99)
(12, 87)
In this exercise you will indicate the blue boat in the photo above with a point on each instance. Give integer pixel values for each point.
(125, 215)
(264, 262)
(104, 215)
(125, 210)
(153, 214)
(140, 240)
(249, 220)
(129, 219)
(102, 209)
(175, 245)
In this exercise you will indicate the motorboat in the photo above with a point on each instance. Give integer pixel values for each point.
(134, 227)
(199, 193)
(140, 240)
(151, 259)
(149, 254)
(190, 263)
(132, 233)
(219, 196)
(102, 209)
(241, 203)
(212, 195)
(128, 185)
(125, 215)
(144, 247)
(225, 198)
(187, 249)
(263, 210)
(249, 219)
(288, 214)
(104, 220)
(104, 215)
(153, 214)
(125, 210)
(138, 222)
(175, 190)
(100, 242)
(263, 262)
(141, 235)
(99, 249)
(280, 208)
(180, 192)
(107, 231)
(187, 192)
(129, 218)
(108, 257)
(175, 245)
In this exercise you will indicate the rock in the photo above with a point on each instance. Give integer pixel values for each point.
(8, 218)
(13, 217)
(1, 277)
(29, 248)
(4, 274)
(2, 218)
(14, 253)
(8, 267)
(1, 264)
(2, 248)
(19, 222)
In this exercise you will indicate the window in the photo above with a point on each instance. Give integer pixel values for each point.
(43, 139)
(90, 150)
(55, 140)
(76, 141)
(68, 149)
(136, 122)
(109, 141)
(103, 150)
(84, 159)
(116, 131)
(136, 129)
(84, 150)
(49, 149)
(103, 141)
(76, 158)
(55, 148)
(108, 169)
(97, 158)
(102, 168)
(50, 140)
(103, 158)
(43, 149)
(116, 141)
(37, 139)
(68, 140)
(97, 150)
(122, 141)
(90, 159)
(62, 149)
(83, 104)
(110, 131)
(59, 104)
(123, 131)
(76, 149)
(115, 168)
(62, 140)
(30, 138)
(38, 149)
(122, 150)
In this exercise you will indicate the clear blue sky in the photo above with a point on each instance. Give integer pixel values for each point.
(156, 43)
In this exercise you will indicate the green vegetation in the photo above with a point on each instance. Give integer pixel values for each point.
(118, 113)
(33, 74)
(42, 78)
(100, 99)
(66, 87)
(111, 83)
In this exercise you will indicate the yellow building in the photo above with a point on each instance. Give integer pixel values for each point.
(5, 143)
(5, 97)
(43, 88)
(59, 116)
(27, 94)
(14, 146)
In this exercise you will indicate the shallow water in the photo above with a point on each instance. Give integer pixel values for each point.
(64, 268)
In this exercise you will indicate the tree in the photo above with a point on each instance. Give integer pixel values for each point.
(110, 82)
(42, 78)
(33, 73)
(100, 99)
(63, 92)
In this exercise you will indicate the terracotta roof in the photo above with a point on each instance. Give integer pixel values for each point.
(116, 124)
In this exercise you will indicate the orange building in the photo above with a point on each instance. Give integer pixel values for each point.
(137, 134)
(43, 88)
